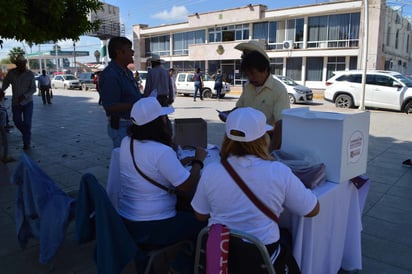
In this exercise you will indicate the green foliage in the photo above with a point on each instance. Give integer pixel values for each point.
(38, 21)
(14, 52)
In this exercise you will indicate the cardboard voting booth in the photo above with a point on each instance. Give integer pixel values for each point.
(190, 132)
(339, 140)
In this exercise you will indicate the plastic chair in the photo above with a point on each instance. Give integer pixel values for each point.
(201, 249)
(96, 219)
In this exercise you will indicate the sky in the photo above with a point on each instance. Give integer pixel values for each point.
(155, 13)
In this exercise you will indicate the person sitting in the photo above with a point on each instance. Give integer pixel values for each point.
(146, 155)
(220, 200)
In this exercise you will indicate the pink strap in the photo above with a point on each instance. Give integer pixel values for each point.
(217, 249)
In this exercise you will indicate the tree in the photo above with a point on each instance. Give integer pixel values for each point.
(97, 55)
(40, 21)
(14, 52)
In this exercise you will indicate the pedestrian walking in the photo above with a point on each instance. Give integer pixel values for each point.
(23, 87)
(44, 85)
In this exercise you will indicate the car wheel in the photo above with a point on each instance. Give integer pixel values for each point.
(222, 96)
(207, 93)
(292, 99)
(408, 108)
(54, 86)
(84, 87)
(343, 101)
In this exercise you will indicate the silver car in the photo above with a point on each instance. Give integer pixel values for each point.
(65, 81)
(297, 93)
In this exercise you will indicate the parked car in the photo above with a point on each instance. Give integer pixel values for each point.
(87, 80)
(65, 81)
(185, 85)
(383, 89)
(297, 93)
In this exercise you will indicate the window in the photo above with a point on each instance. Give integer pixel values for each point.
(294, 68)
(314, 68)
(388, 36)
(158, 45)
(397, 39)
(353, 78)
(229, 33)
(334, 64)
(340, 30)
(276, 66)
(182, 41)
(267, 31)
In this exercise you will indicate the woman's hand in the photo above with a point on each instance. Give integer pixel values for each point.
(200, 154)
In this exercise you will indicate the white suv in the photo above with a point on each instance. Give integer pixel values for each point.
(383, 89)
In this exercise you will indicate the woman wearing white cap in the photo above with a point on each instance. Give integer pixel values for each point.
(220, 200)
(146, 155)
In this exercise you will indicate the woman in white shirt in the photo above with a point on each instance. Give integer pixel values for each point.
(148, 210)
(220, 200)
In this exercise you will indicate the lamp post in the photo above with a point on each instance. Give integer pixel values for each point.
(74, 58)
(364, 53)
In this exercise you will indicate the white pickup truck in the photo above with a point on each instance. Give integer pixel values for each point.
(185, 85)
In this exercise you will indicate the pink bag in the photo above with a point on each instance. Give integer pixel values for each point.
(217, 249)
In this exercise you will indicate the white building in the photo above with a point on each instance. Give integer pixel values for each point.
(306, 43)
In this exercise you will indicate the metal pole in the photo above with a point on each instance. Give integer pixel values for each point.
(74, 59)
(365, 53)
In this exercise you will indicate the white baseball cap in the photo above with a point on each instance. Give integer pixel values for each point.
(252, 45)
(146, 110)
(249, 121)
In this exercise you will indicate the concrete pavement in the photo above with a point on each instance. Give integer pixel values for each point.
(69, 139)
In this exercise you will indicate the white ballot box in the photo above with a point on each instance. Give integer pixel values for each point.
(339, 140)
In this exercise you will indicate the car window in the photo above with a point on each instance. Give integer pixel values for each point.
(58, 78)
(190, 77)
(181, 78)
(353, 78)
(70, 77)
(403, 79)
(288, 81)
(206, 77)
(383, 80)
(142, 75)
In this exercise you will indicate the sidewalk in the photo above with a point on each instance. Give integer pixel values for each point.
(69, 139)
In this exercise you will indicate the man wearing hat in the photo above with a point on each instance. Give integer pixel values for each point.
(159, 83)
(262, 91)
(23, 86)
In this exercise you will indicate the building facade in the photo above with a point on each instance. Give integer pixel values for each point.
(306, 43)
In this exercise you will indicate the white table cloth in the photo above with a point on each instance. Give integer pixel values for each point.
(322, 244)
(332, 239)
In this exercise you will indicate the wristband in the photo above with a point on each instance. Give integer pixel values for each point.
(195, 161)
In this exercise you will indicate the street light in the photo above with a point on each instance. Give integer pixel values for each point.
(365, 53)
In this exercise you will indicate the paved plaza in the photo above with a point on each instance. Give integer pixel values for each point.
(69, 139)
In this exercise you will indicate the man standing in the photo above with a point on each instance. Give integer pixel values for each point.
(262, 91)
(118, 88)
(218, 83)
(198, 81)
(159, 79)
(23, 86)
(44, 86)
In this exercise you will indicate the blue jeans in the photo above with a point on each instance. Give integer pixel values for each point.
(117, 134)
(198, 87)
(22, 117)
